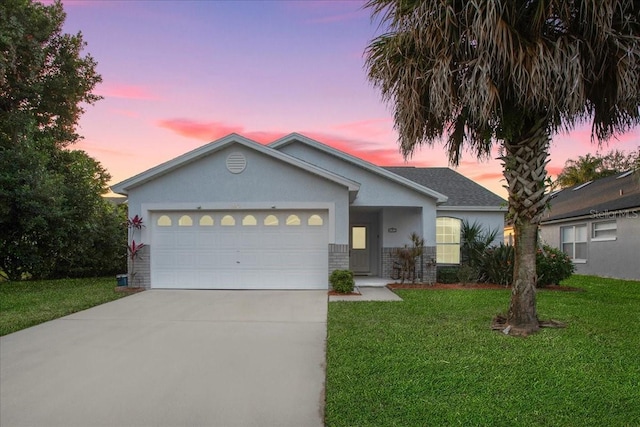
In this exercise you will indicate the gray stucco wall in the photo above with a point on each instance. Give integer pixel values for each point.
(619, 258)
(375, 190)
(266, 182)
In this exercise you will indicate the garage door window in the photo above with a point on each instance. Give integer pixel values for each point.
(271, 221)
(293, 220)
(206, 221)
(164, 221)
(227, 221)
(314, 220)
(249, 220)
(185, 221)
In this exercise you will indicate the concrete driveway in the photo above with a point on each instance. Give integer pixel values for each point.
(172, 358)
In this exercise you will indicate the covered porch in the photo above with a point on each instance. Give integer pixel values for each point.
(377, 232)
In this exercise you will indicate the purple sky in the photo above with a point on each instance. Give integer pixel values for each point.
(179, 74)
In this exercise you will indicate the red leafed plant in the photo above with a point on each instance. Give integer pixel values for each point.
(135, 223)
(134, 249)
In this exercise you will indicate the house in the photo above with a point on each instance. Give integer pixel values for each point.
(238, 214)
(598, 225)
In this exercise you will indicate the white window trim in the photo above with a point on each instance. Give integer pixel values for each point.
(457, 245)
(576, 260)
(604, 239)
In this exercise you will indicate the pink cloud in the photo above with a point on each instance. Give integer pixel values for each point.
(489, 176)
(205, 131)
(264, 137)
(212, 130)
(118, 90)
(363, 149)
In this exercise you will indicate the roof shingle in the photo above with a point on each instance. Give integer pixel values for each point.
(610, 194)
(461, 190)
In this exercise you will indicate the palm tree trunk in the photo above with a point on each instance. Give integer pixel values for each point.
(524, 169)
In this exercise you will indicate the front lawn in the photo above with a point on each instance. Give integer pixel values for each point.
(432, 360)
(24, 304)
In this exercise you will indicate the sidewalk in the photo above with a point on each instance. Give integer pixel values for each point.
(368, 293)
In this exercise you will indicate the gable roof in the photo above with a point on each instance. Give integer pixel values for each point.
(208, 149)
(416, 186)
(615, 193)
(462, 191)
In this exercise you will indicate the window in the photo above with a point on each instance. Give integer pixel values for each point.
(604, 230)
(185, 221)
(227, 221)
(206, 221)
(293, 220)
(164, 221)
(271, 221)
(249, 220)
(448, 240)
(314, 220)
(358, 237)
(574, 242)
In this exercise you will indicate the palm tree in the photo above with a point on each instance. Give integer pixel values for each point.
(588, 167)
(513, 73)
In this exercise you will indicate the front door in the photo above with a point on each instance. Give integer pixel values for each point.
(359, 245)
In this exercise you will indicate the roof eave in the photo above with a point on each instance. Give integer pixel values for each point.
(210, 148)
(288, 139)
(473, 208)
(595, 215)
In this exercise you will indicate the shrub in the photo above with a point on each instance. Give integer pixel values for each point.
(496, 265)
(342, 281)
(447, 274)
(552, 266)
(467, 274)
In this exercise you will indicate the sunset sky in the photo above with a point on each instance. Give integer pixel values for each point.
(179, 74)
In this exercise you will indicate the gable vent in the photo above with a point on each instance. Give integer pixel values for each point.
(236, 162)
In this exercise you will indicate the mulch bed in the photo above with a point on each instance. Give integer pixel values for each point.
(437, 286)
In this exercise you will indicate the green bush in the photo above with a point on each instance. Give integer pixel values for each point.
(342, 281)
(496, 265)
(552, 266)
(467, 274)
(447, 275)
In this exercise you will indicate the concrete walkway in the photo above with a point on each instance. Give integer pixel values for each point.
(172, 358)
(368, 293)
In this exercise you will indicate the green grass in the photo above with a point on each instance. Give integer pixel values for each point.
(24, 304)
(433, 360)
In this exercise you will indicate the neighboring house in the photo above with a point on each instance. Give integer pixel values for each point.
(237, 214)
(598, 225)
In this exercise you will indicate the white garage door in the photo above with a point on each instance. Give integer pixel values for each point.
(239, 250)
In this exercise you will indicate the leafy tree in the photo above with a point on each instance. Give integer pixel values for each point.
(31, 202)
(84, 219)
(513, 73)
(44, 79)
(587, 168)
(51, 208)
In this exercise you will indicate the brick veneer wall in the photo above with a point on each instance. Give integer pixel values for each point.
(338, 257)
(141, 277)
(428, 263)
